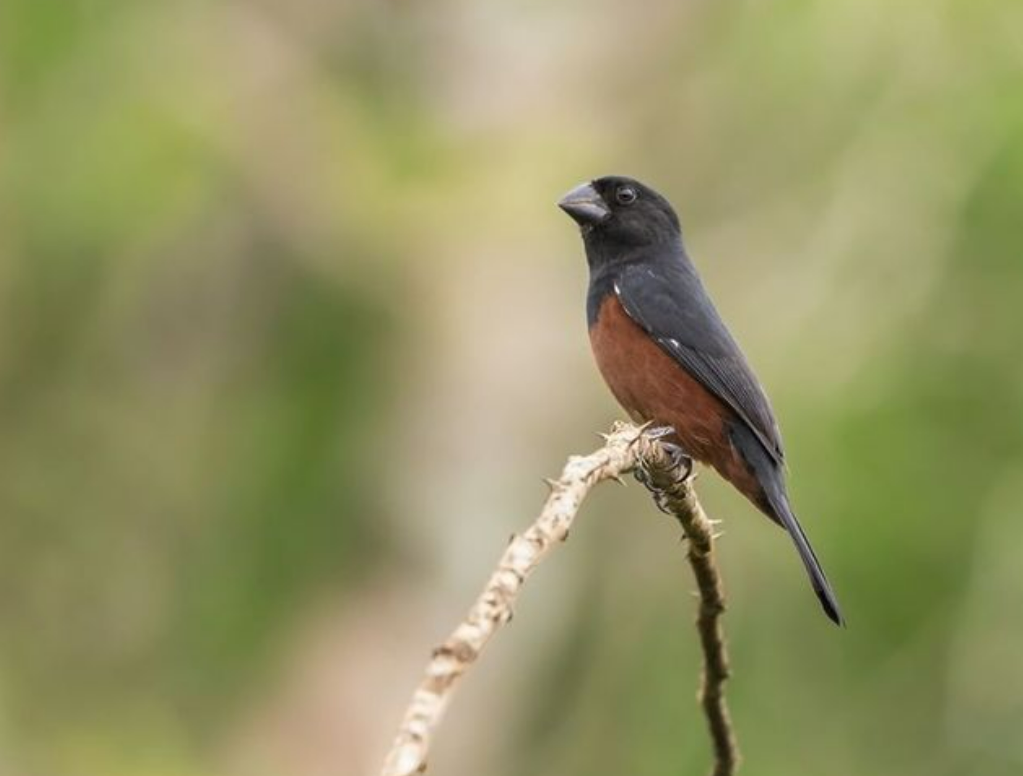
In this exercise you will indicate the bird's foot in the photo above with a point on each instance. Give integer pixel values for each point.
(680, 469)
(660, 432)
(681, 462)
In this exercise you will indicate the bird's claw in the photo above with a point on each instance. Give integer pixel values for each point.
(681, 463)
(680, 466)
(659, 432)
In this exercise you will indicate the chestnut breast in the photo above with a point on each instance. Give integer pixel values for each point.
(651, 386)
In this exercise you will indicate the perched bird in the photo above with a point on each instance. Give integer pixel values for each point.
(668, 358)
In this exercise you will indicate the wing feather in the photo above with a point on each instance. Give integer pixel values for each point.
(671, 305)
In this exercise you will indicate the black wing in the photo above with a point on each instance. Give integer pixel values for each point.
(670, 303)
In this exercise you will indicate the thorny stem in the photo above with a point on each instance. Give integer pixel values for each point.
(627, 447)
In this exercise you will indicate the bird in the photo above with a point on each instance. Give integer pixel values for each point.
(667, 356)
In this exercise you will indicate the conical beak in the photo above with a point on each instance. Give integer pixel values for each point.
(584, 205)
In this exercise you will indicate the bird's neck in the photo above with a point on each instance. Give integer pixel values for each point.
(605, 253)
(601, 285)
(607, 260)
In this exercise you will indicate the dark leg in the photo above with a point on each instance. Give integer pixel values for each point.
(681, 466)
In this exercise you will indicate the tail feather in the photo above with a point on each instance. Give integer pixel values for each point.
(818, 579)
(775, 503)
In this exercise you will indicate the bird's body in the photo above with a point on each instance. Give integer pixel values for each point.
(648, 384)
(667, 356)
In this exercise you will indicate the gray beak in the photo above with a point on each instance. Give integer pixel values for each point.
(584, 205)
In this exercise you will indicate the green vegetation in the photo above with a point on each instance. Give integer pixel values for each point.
(285, 298)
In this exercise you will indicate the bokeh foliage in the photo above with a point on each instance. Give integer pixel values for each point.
(283, 290)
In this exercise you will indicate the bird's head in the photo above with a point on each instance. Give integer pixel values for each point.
(622, 211)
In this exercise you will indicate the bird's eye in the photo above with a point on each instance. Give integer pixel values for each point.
(626, 195)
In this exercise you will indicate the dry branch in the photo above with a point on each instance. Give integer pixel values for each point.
(675, 495)
(627, 448)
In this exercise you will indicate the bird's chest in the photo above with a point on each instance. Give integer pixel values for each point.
(650, 385)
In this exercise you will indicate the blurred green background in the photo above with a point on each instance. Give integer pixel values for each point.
(291, 330)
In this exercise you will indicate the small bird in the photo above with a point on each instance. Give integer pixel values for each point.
(667, 356)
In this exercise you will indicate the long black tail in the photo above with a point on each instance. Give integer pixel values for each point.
(818, 579)
(772, 483)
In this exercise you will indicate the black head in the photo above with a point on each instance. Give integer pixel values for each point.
(623, 211)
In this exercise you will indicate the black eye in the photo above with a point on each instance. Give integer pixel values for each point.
(626, 195)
